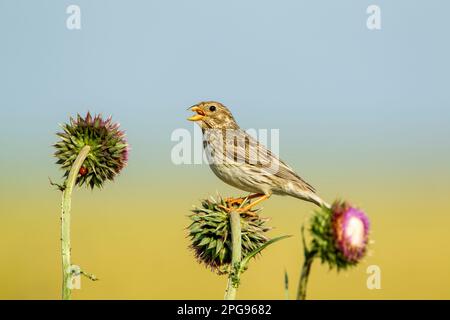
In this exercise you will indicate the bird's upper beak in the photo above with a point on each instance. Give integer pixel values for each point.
(199, 116)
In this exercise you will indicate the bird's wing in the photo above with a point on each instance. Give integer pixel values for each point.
(245, 149)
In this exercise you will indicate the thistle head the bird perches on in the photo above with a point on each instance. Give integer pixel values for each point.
(210, 235)
(108, 153)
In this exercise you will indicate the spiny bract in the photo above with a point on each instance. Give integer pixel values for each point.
(210, 234)
(108, 154)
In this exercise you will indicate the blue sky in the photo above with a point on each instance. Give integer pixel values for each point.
(310, 68)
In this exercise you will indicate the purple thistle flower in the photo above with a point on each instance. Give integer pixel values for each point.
(350, 231)
(340, 235)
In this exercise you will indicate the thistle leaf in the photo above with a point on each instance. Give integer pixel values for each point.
(246, 260)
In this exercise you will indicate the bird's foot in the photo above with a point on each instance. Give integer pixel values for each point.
(259, 199)
(238, 201)
(249, 213)
(225, 208)
(234, 201)
(241, 211)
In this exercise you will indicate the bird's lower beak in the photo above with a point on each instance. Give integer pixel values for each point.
(199, 116)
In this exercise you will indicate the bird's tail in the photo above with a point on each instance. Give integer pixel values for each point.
(314, 198)
(311, 197)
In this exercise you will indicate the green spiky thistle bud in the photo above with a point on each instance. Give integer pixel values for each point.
(108, 154)
(91, 150)
(210, 234)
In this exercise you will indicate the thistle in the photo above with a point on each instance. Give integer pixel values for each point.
(90, 151)
(108, 153)
(339, 237)
(225, 241)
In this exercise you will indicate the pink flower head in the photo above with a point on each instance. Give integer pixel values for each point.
(350, 231)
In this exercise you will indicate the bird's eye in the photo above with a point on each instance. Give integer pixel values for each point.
(212, 108)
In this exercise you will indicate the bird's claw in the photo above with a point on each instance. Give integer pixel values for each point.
(232, 201)
(249, 213)
(241, 211)
(227, 209)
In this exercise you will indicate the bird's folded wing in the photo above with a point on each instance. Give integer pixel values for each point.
(244, 149)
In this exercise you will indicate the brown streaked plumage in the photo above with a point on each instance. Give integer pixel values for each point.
(241, 161)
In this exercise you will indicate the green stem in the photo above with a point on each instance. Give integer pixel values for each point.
(65, 222)
(236, 240)
(306, 269)
(286, 285)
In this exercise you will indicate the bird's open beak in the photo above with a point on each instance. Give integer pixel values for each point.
(199, 116)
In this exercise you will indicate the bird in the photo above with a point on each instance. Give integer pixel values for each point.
(243, 162)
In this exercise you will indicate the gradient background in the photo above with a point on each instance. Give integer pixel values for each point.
(363, 115)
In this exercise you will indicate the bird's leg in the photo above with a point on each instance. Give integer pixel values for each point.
(249, 206)
(232, 201)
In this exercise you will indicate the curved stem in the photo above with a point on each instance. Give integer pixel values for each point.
(236, 240)
(306, 269)
(65, 222)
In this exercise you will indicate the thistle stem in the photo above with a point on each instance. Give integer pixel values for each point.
(306, 269)
(236, 240)
(286, 285)
(65, 222)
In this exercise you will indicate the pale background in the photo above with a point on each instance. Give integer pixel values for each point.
(363, 115)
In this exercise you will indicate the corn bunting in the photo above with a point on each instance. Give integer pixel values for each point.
(241, 161)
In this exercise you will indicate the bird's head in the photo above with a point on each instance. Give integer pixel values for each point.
(213, 115)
